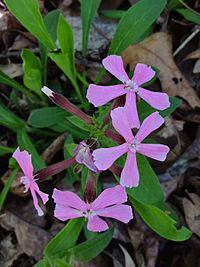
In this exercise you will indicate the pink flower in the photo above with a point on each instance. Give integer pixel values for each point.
(108, 204)
(83, 156)
(24, 161)
(99, 95)
(105, 157)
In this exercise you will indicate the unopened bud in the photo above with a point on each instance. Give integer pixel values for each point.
(90, 189)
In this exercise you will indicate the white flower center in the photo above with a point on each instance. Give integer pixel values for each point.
(131, 85)
(134, 146)
(88, 214)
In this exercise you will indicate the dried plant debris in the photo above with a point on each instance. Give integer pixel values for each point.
(156, 51)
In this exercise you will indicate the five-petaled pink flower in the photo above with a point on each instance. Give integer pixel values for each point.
(105, 157)
(99, 95)
(108, 204)
(24, 161)
(83, 156)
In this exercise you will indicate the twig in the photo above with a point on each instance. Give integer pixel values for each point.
(16, 53)
(191, 9)
(187, 40)
(101, 33)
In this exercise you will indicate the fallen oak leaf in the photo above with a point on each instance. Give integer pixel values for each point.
(156, 51)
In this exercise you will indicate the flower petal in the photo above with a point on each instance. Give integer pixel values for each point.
(120, 212)
(121, 124)
(131, 110)
(105, 157)
(154, 151)
(114, 65)
(44, 197)
(130, 174)
(151, 123)
(67, 198)
(110, 196)
(35, 202)
(142, 74)
(99, 95)
(155, 99)
(24, 161)
(66, 213)
(96, 224)
(84, 156)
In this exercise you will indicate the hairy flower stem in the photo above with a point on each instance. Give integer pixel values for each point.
(53, 169)
(114, 136)
(63, 102)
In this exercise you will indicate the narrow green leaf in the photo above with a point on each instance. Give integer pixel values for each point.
(47, 116)
(173, 4)
(63, 62)
(144, 109)
(189, 15)
(25, 143)
(51, 22)
(40, 264)
(6, 188)
(92, 247)
(79, 123)
(88, 11)
(6, 150)
(65, 126)
(113, 14)
(65, 239)
(134, 23)
(149, 190)
(28, 13)
(9, 119)
(66, 41)
(160, 222)
(7, 80)
(61, 263)
(32, 71)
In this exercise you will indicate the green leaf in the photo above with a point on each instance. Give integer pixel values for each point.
(47, 116)
(7, 80)
(149, 190)
(79, 123)
(69, 147)
(65, 126)
(61, 263)
(66, 41)
(173, 4)
(6, 150)
(88, 11)
(6, 188)
(134, 23)
(32, 71)
(28, 13)
(144, 109)
(63, 62)
(113, 14)
(160, 222)
(9, 119)
(40, 264)
(25, 143)
(51, 22)
(189, 15)
(168, 210)
(65, 239)
(92, 247)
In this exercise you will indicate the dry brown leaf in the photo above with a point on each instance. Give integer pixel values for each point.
(12, 70)
(193, 55)
(156, 50)
(31, 239)
(16, 188)
(192, 212)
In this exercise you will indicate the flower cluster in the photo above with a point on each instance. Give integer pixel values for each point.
(110, 202)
